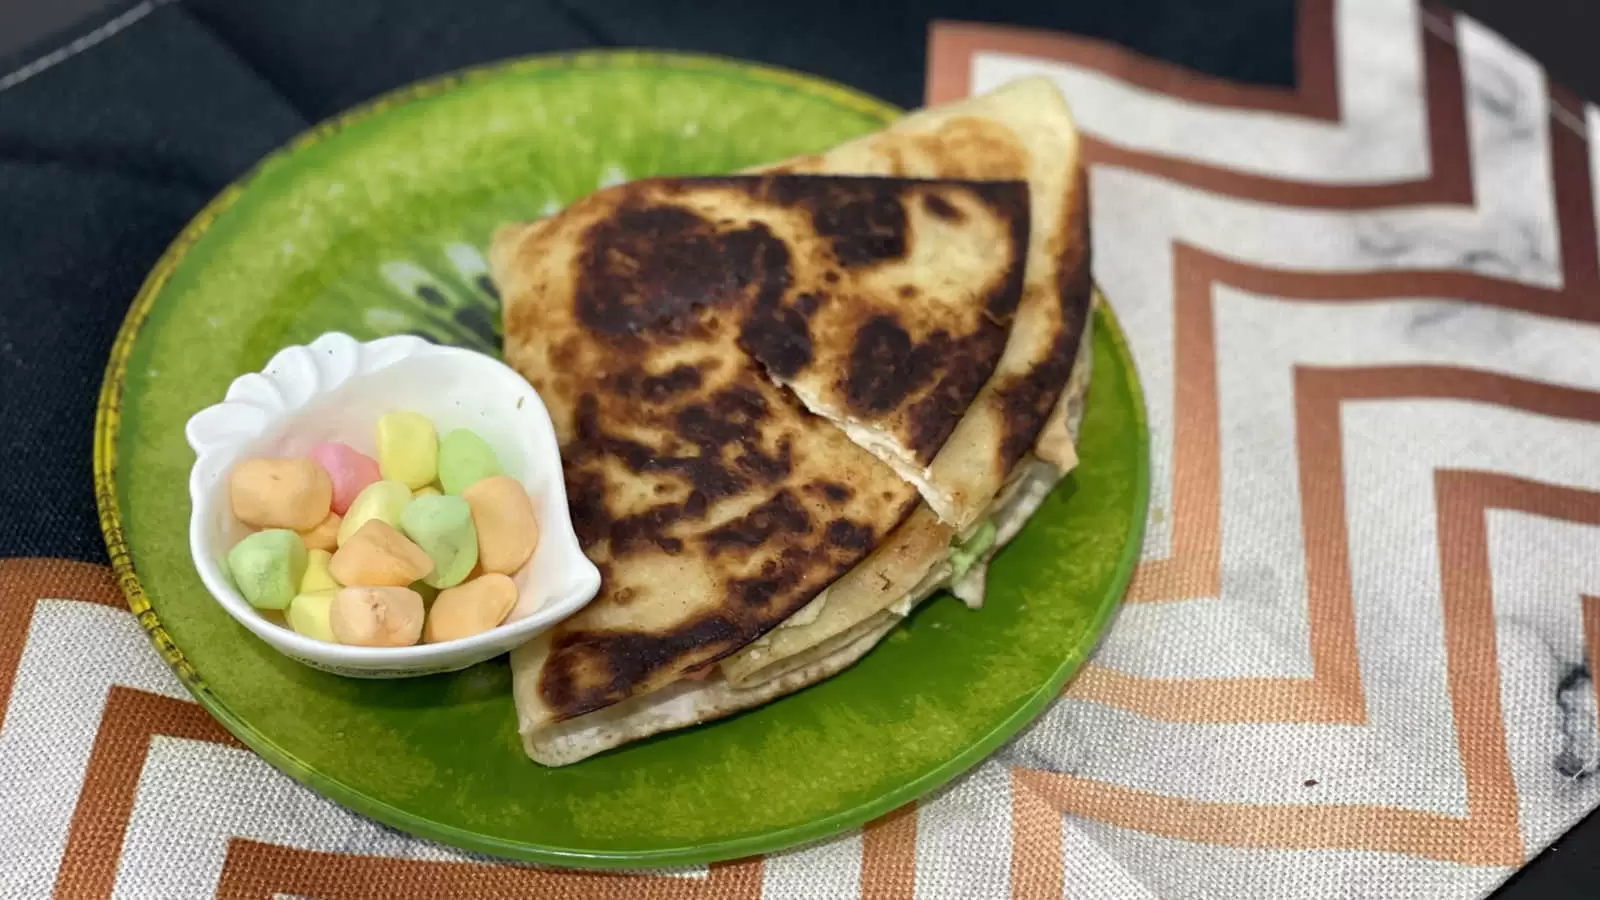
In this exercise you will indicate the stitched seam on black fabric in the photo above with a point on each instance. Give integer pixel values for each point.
(307, 115)
(110, 28)
(585, 23)
(122, 168)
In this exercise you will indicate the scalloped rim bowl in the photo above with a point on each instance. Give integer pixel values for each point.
(335, 388)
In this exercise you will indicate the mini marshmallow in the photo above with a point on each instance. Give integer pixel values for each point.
(317, 577)
(280, 493)
(267, 567)
(379, 556)
(442, 527)
(471, 608)
(349, 470)
(503, 516)
(381, 500)
(309, 613)
(408, 449)
(464, 460)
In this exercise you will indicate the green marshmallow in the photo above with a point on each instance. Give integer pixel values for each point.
(464, 460)
(442, 527)
(267, 567)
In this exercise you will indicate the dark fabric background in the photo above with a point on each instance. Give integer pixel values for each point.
(105, 157)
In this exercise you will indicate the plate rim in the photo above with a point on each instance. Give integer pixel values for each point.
(107, 427)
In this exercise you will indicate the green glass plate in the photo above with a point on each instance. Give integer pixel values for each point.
(373, 224)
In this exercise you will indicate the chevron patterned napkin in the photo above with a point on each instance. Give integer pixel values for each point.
(1357, 658)
(1364, 311)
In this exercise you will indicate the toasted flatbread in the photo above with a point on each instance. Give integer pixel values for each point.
(911, 556)
(1022, 130)
(647, 672)
(657, 320)
(862, 618)
(693, 702)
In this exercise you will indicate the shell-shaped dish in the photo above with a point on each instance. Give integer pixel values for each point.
(334, 389)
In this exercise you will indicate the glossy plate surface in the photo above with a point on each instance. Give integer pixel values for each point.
(374, 224)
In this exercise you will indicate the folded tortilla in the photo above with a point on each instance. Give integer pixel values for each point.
(851, 624)
(1021, 130)
(689, 626)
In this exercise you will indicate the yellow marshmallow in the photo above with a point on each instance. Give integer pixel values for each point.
(309, 612)
(317, 577)
(381, 500)
(408, 449)
(379, 556)
(426, 490)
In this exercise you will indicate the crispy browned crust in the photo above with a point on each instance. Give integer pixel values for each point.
(1028, 399)
(649, 317)
(1021, 131)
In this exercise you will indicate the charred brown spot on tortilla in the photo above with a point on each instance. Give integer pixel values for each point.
(1010, 201)
(586, 498)
(862, 219)
(973, 148)
(1026, 402)
(807, 303)
(779, 339)
(940, 208)
(932, 418)
(885, 366)
(591, 669)
(849, 535)
(761, 595)
(680, 378)
(830, 276)
(832, 491)
(631, 533)
(565, 355)
(654, 270)
(778, 516)
(907, 291)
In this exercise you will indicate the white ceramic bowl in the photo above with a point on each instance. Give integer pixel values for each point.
(334, 389)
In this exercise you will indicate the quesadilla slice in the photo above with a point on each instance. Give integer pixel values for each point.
(919, 284)
(900, 571)
(695, 701)
(1022, 130)
(667, 644)
(657, 320)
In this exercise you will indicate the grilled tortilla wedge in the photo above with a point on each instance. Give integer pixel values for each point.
(650, 316)
(1021, 130)
(913, 560)
(863, 613)
(1013, 438)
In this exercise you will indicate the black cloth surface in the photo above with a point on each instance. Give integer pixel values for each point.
(106, 155)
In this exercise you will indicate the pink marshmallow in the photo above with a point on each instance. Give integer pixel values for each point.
(349, 470)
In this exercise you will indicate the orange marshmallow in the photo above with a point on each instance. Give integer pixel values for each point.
(325, 536)
(280, 493)
(376, 616)
(379, 556)
(503, 516)
(470, 608)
